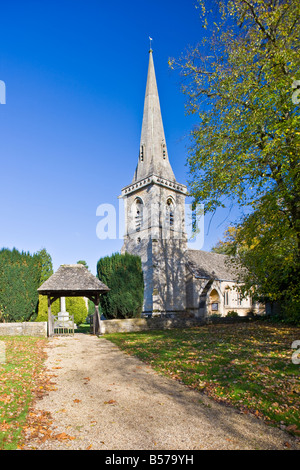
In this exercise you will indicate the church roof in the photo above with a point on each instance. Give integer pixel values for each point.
(153, 157)
(204, 264)
(72, 279)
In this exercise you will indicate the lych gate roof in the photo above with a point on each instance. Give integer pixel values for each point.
(204, 264)
(72, 280)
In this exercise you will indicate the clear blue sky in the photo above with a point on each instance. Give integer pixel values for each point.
(75, 74)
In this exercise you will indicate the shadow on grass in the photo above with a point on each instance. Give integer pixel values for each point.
(83, 328)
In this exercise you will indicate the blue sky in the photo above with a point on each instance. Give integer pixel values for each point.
(75, 75)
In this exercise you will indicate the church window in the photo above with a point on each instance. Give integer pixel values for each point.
(170, 212)
(138, 214)
(226, 296)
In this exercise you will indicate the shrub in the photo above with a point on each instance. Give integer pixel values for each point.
(20, 277)
(232, 314)
(74, 305)
(124, 276)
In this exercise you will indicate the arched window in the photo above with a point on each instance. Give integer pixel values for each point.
(170, 212)
(226, 295)
(138, 214)
(214, 300)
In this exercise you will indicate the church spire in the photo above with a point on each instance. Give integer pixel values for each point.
(153, 156)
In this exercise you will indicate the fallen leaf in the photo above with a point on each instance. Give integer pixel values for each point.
(110, 402)
(63, 436)
(76, 400)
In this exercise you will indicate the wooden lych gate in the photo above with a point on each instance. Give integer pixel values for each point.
(73, 280)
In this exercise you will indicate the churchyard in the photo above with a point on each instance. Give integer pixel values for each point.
(251, 366)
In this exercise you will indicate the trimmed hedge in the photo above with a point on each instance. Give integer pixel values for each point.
(123, 274)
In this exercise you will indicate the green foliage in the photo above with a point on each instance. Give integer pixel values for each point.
(245, 149)
(20, 276)
(74, 305)
(124, 276)
(232, 314)
(268, 249)
(82, 261)
(46, 265)
(43, 308)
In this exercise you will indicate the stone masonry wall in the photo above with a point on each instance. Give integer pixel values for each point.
(143, 324)
(24, 329)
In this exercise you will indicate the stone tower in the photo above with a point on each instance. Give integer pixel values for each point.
(154, 206)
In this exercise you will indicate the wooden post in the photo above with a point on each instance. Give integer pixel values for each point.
(96, 322)
(50, 332)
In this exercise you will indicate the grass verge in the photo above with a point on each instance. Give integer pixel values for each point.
(248, 366)
(21, 364)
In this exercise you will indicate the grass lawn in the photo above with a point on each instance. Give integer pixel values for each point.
(20, 369)
(247, 365)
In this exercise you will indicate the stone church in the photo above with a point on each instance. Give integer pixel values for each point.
(177, 280)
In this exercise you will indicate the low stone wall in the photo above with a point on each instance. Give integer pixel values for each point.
(163, 323)
(24, 329)
(142, 324)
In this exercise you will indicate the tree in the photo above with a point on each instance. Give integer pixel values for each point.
(124, 276)
(83, 262)
(226, 246)
(267, 250)
(245, 149)
(74, 306)
(46, 265)
(20, 275)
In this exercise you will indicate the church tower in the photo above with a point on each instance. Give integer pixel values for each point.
(154, 206)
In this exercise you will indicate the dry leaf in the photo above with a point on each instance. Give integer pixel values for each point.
(63, 436)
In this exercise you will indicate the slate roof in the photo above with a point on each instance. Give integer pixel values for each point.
(72, 279)
(204, 264)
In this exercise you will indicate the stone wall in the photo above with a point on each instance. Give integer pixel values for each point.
(24, 329)
(143, 324)
(162, 323)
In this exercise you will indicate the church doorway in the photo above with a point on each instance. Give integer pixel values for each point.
(214, 306)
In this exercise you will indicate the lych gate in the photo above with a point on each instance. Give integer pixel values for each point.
(73, 280)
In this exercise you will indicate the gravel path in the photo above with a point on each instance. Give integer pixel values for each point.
(107, 400)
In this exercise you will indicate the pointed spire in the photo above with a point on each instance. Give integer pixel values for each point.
(153, 157)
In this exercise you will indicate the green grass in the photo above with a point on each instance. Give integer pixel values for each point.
(83, 328)
(248, 366)
(19, 378)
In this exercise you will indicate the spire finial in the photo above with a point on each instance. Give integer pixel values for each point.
(151, 50)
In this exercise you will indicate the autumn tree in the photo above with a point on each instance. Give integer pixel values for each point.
(241, 81)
